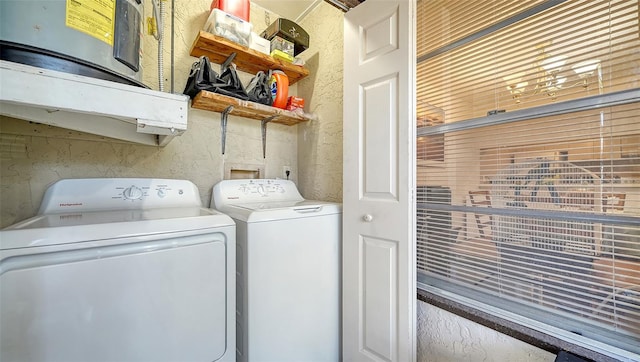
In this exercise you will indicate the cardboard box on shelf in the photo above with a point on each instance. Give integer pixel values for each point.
(280, 55)
(260, 44)
(279, 43)
(294, 102)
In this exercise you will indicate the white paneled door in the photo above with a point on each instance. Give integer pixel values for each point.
(379, 289)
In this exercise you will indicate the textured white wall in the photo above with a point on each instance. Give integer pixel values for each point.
(445, 337)
(33, 156)
(320, 141)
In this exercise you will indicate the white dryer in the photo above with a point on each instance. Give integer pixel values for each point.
(118, 270)
(288, 263)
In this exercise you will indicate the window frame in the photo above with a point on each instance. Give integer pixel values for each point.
(536, 333)
(541, 335)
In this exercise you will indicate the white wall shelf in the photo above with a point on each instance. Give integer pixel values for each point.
(91, 105)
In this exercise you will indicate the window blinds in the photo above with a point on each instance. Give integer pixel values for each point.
(572, 50)
(528, 155)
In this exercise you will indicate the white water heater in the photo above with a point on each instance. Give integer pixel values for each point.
(96, 38)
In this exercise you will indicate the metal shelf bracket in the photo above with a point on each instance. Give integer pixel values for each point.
(223, 126)
(264, 134)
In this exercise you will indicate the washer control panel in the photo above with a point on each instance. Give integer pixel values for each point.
(73, 195)
(230, 192)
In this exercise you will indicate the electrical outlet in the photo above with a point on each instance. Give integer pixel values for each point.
(286, 172)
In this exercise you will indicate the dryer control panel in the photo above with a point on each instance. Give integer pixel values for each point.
(98, 194)
(243, 191)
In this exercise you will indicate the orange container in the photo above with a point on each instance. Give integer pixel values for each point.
(238, 8)
(279, 85)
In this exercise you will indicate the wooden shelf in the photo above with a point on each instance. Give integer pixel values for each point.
(215, 102)
(247, 60)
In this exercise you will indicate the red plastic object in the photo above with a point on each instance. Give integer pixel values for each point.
(238, 8)
(294, 102)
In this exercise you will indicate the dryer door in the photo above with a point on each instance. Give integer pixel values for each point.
(156, 300)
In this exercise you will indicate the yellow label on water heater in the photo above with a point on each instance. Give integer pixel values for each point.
(92, 17)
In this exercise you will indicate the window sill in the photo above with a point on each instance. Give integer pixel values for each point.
(528, 335)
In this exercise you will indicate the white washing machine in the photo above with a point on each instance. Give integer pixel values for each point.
(118, 270)
(288, 263)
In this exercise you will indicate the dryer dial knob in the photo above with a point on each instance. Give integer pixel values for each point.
(132, 193)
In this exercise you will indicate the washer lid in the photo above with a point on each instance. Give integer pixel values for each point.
(257, 206)
(64, 228)
(280, 210)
